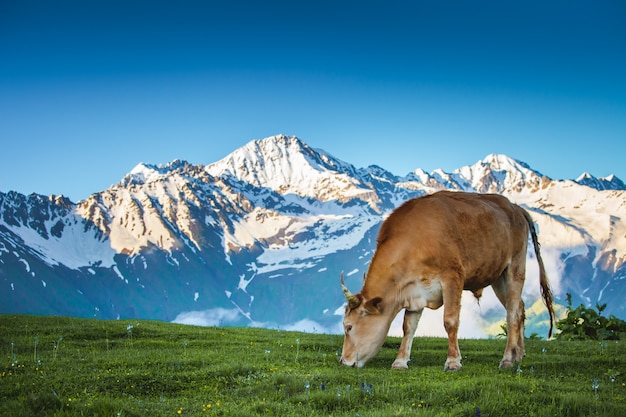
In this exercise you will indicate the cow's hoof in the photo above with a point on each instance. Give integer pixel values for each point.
(505, 363)
(400, 364)
(452, 366)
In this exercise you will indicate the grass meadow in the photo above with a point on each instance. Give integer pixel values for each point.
(61, 366)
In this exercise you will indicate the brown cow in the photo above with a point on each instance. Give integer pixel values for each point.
(429, 250)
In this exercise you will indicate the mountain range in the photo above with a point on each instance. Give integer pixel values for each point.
(260, 237)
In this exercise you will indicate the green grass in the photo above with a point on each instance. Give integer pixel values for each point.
(60, 366)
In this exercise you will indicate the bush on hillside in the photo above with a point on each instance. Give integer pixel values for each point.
(584, 323)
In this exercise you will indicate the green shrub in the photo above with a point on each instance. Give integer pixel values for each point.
(583, 323)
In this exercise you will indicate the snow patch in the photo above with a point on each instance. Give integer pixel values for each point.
(75, 248)
(243, 282)
(119, 274)
(328, 234)
(26, 264)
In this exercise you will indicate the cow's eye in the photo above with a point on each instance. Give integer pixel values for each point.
(348, 328)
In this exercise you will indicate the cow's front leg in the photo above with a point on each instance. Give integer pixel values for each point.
(451, 312)
(411, 319)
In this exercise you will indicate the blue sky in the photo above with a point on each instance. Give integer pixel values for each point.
(88, 89)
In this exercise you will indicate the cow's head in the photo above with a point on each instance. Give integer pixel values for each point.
(365, 325)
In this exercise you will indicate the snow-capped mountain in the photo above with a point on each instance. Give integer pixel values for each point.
(286, 165)
(259, 238)
(603, 183)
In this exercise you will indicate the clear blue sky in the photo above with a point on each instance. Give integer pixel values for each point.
(88, 89)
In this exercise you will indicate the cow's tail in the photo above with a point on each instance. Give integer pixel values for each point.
(546, 292)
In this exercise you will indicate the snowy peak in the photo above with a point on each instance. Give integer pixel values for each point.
(499, 162)
(603, 183)
(273, 161)
(147, 173)
(142, 174)
(289, 166)
(498, 173)
(436, 180)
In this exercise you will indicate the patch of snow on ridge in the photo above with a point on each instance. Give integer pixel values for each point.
(333, 233)
(119, 274)
(258, 225)
(243, 282)
(26, 264)
(570, 215)
(74, 249)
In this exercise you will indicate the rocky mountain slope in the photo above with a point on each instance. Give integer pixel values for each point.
(259, 238)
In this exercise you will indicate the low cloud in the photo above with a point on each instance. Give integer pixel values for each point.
(233, 317)
(305, 325)
(212, 317)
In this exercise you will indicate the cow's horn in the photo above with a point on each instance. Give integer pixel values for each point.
(345, 289)
(353, 300)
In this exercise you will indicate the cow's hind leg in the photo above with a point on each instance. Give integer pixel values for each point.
(451, 312)
(411, 319)
(508, 289)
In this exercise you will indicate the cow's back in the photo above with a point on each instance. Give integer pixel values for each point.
(476, 235)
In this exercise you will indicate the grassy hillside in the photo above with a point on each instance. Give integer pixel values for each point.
(60, 366)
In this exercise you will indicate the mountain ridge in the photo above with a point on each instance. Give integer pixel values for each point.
(258, 233)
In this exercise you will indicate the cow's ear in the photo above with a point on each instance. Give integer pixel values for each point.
(374, 306)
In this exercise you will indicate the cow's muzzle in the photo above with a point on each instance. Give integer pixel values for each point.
(343, 361)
